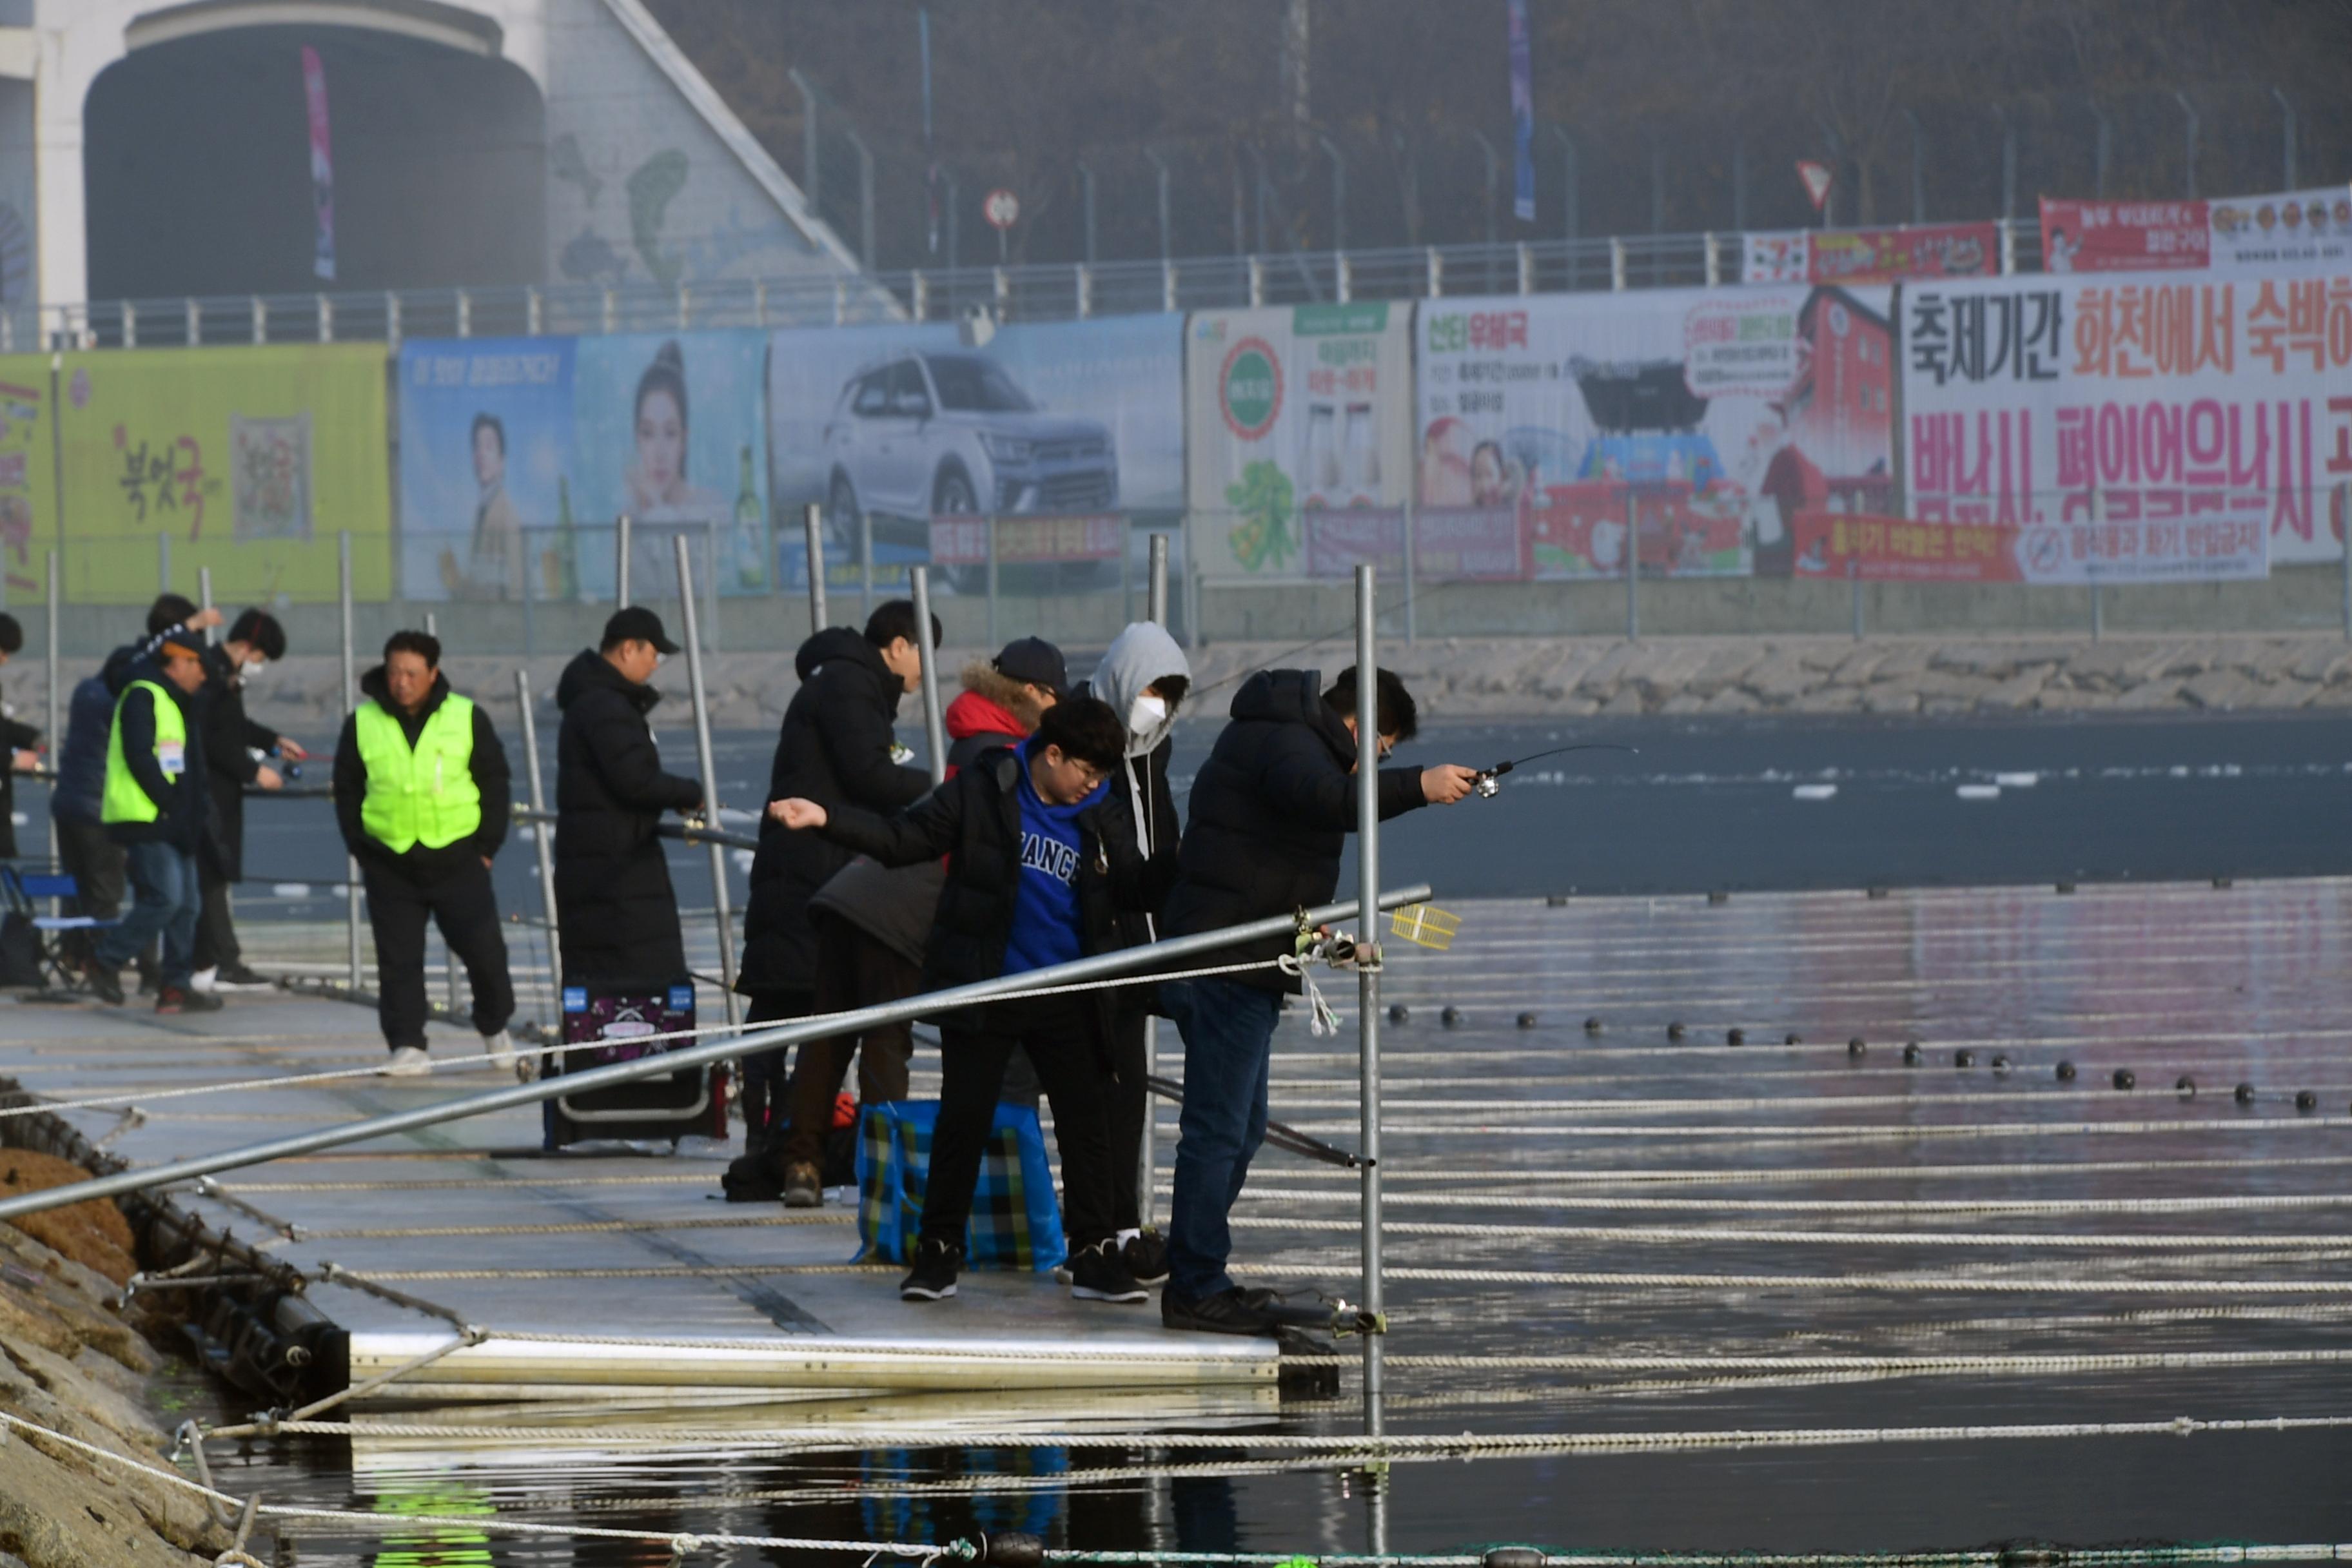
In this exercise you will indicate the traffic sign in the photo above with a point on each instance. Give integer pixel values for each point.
(1001, 208)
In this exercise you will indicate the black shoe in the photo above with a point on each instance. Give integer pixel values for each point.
(179, 999)
(933, 1276)
(1283, 1312)
(104, 984)
(1146, 1256)
(752, 1179)
(1099, 1274)
(1226, 1312)
(241, 977)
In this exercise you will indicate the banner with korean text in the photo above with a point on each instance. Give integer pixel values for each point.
(2132, 429)
(1872, 255)
(2289, 230)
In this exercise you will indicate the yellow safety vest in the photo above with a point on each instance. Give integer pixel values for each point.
(125, 800)
(426, 795)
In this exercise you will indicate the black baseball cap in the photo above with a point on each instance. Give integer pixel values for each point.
(1033, 661)
(637, 624)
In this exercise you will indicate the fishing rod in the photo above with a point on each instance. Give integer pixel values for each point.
(1490, 779)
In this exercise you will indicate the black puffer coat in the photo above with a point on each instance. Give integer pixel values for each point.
(974, 819)
(833, 749)
(613, 892)
(1271, 808)
(230, 740)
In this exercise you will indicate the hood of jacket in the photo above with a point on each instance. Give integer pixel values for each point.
(1138, 656)
(835, 643)
(376, 689)
(590, 671)
(990, 703)
(1294, 697)
(150, 668)
(117, 671)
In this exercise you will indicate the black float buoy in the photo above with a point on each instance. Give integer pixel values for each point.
(1735, 1037)
(1399, 1012)
(1675, 1031)
(2064, 887)
(1593, 1024)
(2245, 1094)
(1964, 1058)
(2185, 1086)
(2065, 1072)
(1719, 896)
(1873, 892)
(1792, 1038)
(2000, 1066)
(1513, 1557)
(2306, 1101)
(1526, 1020)
(1857, 1047)
(1912, 1055)
(2221, 882)
(1450, 1016)
(1012, 1549)
(2126, 1079)
(1556, 901)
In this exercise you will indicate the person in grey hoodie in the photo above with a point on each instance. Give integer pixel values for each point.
(1144, 677)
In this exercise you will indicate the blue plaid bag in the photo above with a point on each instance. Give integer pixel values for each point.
(1015, 1221)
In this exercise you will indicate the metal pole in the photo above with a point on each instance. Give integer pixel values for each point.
(721, 903)
(1147, 1153)
(865, 561)
(1122, 961)
(2189, 161)
(1854, 577)
(1368, 972)
(1633, 567)
(351, 706)
(813, 528)
(621, 531)
(2343, 501)
(1155, 592)
(2098, 610)
(991, 525)
(2286, 133)
(1412, 570)
(935, 729)
(204, 601)
(50, 674)
(543, 836)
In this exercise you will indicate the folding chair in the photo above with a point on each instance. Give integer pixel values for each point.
(20, 895)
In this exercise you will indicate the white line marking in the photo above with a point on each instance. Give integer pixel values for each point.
(1978, 792)
(1815, 792)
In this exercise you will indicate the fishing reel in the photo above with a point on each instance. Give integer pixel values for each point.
(1490, 781)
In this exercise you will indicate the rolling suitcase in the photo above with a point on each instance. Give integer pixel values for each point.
(620, 1025)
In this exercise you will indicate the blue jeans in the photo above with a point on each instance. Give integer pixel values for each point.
(165, 901)
(1228, 1031)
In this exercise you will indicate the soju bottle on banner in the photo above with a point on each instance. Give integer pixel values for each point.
(746, 537)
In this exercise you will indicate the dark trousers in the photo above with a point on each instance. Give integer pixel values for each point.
(163, 906)
(853, 970)
(1228, 1032)
(767, 1104)
(216, 945)
(1061, 1035)
(1130, 1101)
(89, 854)
(462, 904)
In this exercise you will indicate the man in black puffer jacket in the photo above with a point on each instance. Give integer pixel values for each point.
(1270, 810)
(1040, 864)
(836, 748)
(613, 894)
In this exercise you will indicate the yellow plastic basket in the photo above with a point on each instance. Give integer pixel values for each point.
(1424, 925)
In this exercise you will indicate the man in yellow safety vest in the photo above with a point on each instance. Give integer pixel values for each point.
(153, 805)
(421, 794)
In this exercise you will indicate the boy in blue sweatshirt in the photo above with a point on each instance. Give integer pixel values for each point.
(1039, 867)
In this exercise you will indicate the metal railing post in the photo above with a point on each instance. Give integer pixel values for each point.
(722, 904)
(1854, 579)
(935, 730)
(1368, 970)
(865, 561)
(2098, 609)
(1633, 567)
(2343, 501)
(1155, 590)
(813, 531)
(50, 676)
(543, 836)
(163, 563)
(1411, 571)
(205, 602)
(1616, 265)
(621, 529)
(991, 525)
(1713, 271)
(1147, 1153)
(351, 706)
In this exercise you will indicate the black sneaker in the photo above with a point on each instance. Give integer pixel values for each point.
(1146, 1256)
(933, 1276)
(241, 977)
(1226, 1312)
(1099, 1274)
(105, 984)
(179, 999)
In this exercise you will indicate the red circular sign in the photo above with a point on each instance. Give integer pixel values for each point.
(1000, 207)
(1251, 400)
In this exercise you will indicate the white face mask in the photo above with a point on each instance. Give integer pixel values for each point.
(1147, 715)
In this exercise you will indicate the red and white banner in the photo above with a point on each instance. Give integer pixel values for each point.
(2152, 428)
(1873, 255)
(2137, 549)
(2294, 228)
(961, 539)
(1450, 543)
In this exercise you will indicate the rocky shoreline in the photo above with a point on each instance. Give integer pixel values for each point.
(73, 1362)
(1536, 677)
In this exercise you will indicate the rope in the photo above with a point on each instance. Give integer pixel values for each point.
(1766, 1175)
(1873, 1133)
(1673, 1234)
(1617, 1202)
(1930, 1283)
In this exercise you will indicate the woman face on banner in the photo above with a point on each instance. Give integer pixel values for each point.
(661, 446)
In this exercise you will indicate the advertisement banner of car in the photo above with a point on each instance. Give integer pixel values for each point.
(889, 429)
(1873, 255)
(1295, 414)
(2289, 230)
(2132, 412)
(1718, 416)
(518, 453)
(2143, 549)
